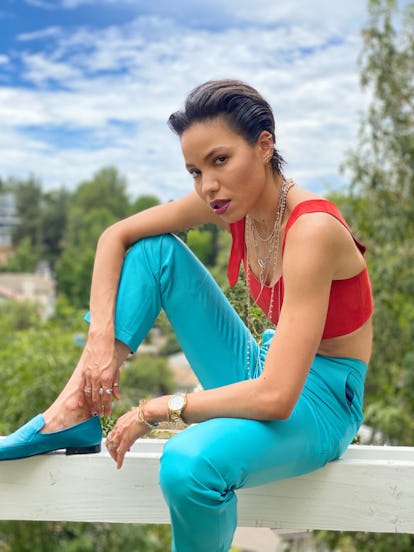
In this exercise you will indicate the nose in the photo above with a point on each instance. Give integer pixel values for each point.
(209, 185)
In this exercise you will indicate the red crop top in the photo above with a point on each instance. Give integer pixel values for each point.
(350, 300)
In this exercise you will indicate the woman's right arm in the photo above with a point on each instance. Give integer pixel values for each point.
(99, 361)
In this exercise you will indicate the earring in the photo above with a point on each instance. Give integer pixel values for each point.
(270, 155)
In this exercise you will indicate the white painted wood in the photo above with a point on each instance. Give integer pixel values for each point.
(371, 488)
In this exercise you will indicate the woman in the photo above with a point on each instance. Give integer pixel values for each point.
(267, 412)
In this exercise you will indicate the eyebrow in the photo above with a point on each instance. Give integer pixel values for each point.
(210, 154)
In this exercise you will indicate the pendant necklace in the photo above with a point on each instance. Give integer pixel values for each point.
(266, 266)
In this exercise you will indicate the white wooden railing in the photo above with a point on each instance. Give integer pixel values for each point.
(371, 488)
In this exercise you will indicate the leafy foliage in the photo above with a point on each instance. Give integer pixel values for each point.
(143, 376)
(381, 210)
(144, 202)
(94, 206)
(42, 218)
(82, 537)
(382, 173)
(28, 195)
(36, 358)
(107, 190)
(35, 362)
(24, 260)
(200, 242)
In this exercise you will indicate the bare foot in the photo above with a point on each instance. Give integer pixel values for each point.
(62, 414)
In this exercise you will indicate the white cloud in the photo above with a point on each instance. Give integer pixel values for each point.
(40, 69)
(139, 73)
(48, 32)
(337, 17)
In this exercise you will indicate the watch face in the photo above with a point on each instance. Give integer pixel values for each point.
(176, 402)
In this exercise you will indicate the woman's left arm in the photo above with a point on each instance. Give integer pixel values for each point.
(309, 265)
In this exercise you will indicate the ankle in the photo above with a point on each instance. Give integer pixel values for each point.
(64, 414)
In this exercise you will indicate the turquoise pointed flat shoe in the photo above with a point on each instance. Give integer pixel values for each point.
(82, 438)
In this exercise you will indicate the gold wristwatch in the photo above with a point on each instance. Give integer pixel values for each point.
(176, 406)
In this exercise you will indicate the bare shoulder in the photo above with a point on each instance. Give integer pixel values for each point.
(319, 240)
(316, 228)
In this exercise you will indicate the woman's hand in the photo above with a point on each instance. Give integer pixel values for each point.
(100, 375)
(126, 431)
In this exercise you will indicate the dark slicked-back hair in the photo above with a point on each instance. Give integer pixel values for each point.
(242, 107)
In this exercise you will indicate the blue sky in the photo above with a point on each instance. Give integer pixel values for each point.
(87, 83)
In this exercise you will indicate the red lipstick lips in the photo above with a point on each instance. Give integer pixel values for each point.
(220, 206)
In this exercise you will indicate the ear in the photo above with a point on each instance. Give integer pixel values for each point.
(266, 144)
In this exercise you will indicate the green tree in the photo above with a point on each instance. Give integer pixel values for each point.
(74, 268)
(201, 244)
(36, 358)
(382, 173)
(107, 189)
(74, 274)
(144, 202)
(205, 242)
(23, 536)
(143, 376)
(381, 210)
(219, 270)
(16, 316)
(42, 218)
(28, 195)
(95, 205)
(53, 223)
(24, 259)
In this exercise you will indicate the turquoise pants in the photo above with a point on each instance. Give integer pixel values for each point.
(203, 466)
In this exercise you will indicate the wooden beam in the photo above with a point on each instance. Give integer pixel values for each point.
(371, 488)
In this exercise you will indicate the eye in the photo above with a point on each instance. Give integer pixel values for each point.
(195, 173)
(220, 160)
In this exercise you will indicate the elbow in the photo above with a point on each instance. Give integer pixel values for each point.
(104, 237)
(285, 413)
(279, 412)
(112, 234)
(276, 406)
(108, 233)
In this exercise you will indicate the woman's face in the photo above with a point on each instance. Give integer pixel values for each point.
(229, 174)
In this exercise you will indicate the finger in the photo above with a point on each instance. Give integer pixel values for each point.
(121, 450)
(87, 390)
(106, 407)
(84, 395)
(96, 400)
(86, 382)
(112, 451)
(84, 390)
(106, 399)
(112, 448)
(116, 387)
(105, 395)
(81, 394)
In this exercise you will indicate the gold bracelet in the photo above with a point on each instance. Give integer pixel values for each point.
(141, 416)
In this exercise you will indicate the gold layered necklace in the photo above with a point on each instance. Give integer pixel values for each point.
(266, 262)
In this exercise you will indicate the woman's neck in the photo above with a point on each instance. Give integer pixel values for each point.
(264, 212)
